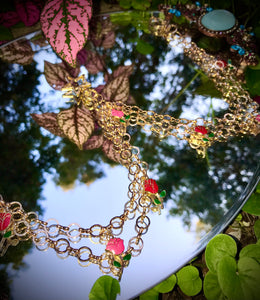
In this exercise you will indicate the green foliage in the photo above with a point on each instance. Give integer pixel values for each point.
(207, 88)
(5, 34)
(144, 48)
(252, 251)
(252, 205)
(239, 281)
(135, 4)
(229, 278)
(189, 280)
(220, 246)
(105, 288)
(252, 81)
(209, 43)
(211, 287)
(164, 287)
(257, 229)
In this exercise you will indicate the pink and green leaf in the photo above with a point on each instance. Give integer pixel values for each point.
(65, 25)
(77, 124)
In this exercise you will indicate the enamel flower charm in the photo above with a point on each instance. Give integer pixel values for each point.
(116, 246)
(5, 219)
(151, 186)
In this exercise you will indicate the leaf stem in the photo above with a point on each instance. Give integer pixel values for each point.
(181, 92)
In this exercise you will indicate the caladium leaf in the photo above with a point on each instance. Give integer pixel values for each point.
(28, 12)
(117, 90)
(120, 71)
(19, 52)
(77, 123)
(49, 122)
(65, 25)
(94, 142)
(56, 75)
(109, 40)
(95, 62)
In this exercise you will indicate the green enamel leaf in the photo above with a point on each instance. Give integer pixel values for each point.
(220, 246)
(163, 193)
(252, 206)
(257, 229)
(7, 234)
(127, 256)
(239, 281)
(117, 264)
(105, 288)
(211, 287)
(167, 285)
(189, 281)
(252, 251)
(156, 201)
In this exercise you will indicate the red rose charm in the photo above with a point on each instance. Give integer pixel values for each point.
(116, 246)
(5, 219)
(151, 186)
(201, 129)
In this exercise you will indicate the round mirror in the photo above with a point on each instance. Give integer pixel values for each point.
(43, 168)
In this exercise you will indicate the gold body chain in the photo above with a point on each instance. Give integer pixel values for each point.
(143, 195)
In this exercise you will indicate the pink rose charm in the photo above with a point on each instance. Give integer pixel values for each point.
(116, 246)
(257, 118)
(117, 113)
(5, 219)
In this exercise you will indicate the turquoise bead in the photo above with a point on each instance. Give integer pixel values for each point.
(218, 20)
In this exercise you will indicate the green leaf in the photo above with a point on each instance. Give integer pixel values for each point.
(221, 245)
(189, 280)
(144, 48)
(5, 34)
(126, 4)
(252, 205)
(105, 288)
(207, 88)
(122, 19)
(257, 229)
(167, 285)
(239, 281)
(252, 251)
(210, 43)
(211, 287)
(149, 295)
(141, 4)
(253, 81)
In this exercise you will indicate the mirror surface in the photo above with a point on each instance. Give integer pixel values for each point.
(49, 174)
